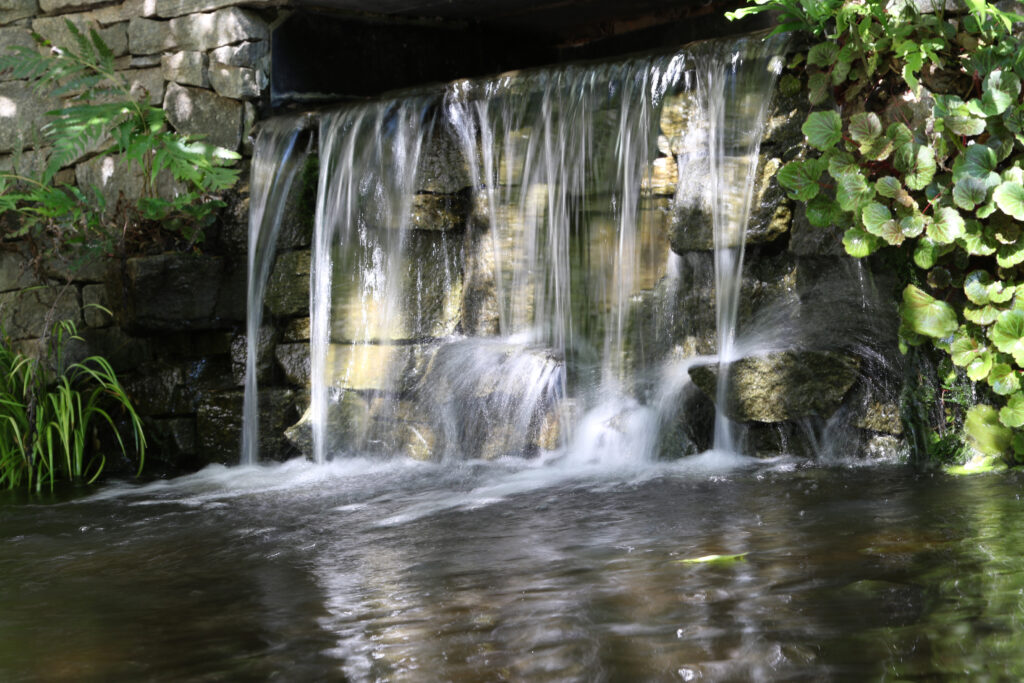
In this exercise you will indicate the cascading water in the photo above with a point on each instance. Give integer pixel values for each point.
(277, 157)
(491, 272)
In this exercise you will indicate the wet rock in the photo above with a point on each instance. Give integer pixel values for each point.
(442, 168)
(288, 286)
(267, 337)
(348, 420)
(439, 211)
(124, 352)
(219, 425)
(663, 177)
(782, 386)
(293, 359)
(296, 330)
(167, 292)
(881, 416)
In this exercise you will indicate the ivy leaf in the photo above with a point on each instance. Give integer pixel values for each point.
(969, 192)
(986, 315)
(1003, 379)
(979, 368)
(823, 212)
(977, 161)
(1012, 414)
(912, 225)
(926, 315)
(917, 163)
(859, 244)
(1001, 89)
(853, 192)
(1009, 197)
(803, 178)
(865, 127)
(888, 187)
(817, 88)
(823, 54)
(1008, 334)
(947, 226)
(976, 240)
(823, 129)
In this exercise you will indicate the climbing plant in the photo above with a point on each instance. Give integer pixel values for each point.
(105, 115)
(916, 144)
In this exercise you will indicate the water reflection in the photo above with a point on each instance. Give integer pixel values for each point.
(367, 571)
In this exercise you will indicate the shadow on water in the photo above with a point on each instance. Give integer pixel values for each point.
(369, 570)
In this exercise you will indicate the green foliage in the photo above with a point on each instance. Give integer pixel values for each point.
(925, 155)
(104, 116)
(49, 418)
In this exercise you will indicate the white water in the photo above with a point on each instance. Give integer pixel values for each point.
(519, 334)
(277, 158)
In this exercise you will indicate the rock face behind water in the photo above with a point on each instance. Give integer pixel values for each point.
(782, 386)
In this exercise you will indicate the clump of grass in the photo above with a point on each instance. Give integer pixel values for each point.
(50, 414)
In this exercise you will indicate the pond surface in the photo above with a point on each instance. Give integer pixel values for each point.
(402, 571)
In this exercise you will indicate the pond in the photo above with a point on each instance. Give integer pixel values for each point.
(518, 570)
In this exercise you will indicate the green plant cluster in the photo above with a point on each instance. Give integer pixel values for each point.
(918, 145)
(48, 417)
(105, 116)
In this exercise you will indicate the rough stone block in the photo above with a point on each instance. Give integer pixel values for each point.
(63, 6)
(176, 8)
(124, 11)
(294, 361)
(219, 425)
(12, 10)
(201, 112)
(252, 54)
(124, 352)
(94, 300)
(148, 36)
(14, 36)
(288, 287)
(22, 115)
(185, 68)
(237, 82)
(297, 330)
(55, 30)
(146, 82)
(16, 269)
(112, 177)
(265, 343)
(204, 32)
(30, 313)
(168, 292)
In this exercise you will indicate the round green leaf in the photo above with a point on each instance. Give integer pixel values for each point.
(979, 368)
(1010, 255)
(969, 192)
(817, 88)
(984, 431)
(841, 164)
(802, 177)
(976, 241)
(977, 161)
(927, 253)
(1008, 333)
(853, 192)
(874, 215)
(858, 243)
(986, 315)
(1001, 89)
(823, 129)
(899, 134)
(917, 163)
(888, 187)
(912, 225)
(1012, 414)
(927, 315)
(965, 348)
(865, 127)
(823, 54)
(823, 212)
(1003, 379)
(947, 225)
(1009, 197)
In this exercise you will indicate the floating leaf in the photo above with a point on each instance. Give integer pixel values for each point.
(947, 226)
(824, 129)
(927, 315)
(716, 559)
(1003, 379)
(984, 431)
(802, 177)
(859, 244)
(969, 192)
(1008, 334)
(1009, 197)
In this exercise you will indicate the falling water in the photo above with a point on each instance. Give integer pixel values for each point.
(480, 251)
(278, 155)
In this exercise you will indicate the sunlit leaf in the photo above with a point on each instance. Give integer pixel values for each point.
(947, 226)
(1008, 334)
(823, 129)
(926, 315)
(985, 432)
(1009, 197)
(969, 192)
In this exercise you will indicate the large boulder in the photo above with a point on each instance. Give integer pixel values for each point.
(787, 385)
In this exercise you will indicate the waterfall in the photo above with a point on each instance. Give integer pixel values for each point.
(277, 157)
(490, 257)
